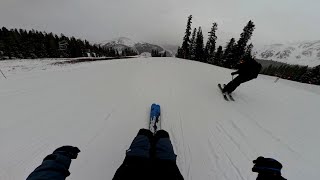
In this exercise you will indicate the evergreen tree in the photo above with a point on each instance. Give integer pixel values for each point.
(199, 51)
(218, 56)
(123, 53)
(20, 43)
(248, 52)
(211, 43)
(245, 36)
(155, 53)
(312, 76)
(228, 54)
(179, 53)
(1, 45)
(164, 54)
(206, 55)
(186, 39)
(193, 44)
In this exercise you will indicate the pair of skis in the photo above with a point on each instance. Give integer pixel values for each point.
(155, 118)
(226, 96)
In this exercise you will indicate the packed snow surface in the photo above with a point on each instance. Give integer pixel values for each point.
(100, 107)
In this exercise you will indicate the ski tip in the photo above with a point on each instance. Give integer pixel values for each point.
(155, 105)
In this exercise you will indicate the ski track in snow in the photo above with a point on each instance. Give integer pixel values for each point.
(100, 107)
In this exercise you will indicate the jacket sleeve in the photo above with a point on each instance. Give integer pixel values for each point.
(54, 166)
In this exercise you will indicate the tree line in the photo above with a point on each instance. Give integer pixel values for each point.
(193, 47)
(304, 74)
(156, 53)
(23, 44)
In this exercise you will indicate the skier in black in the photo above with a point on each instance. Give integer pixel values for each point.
(267, 169)
(247, 70)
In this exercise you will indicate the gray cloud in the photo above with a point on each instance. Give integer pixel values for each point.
(164, 21)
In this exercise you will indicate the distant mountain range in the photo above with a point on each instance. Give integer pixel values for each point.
(303, 53)
(139, 47)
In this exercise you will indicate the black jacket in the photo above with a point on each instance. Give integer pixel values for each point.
(249, 69)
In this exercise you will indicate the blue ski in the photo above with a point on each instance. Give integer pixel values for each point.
(155, 114)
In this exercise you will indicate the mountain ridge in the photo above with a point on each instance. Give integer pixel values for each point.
(302, 53)
(140, 47)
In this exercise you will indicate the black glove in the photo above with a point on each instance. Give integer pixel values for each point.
(69, 151)
(267, 166)
(233, 73)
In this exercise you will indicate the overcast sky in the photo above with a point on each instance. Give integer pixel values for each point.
(164, 21)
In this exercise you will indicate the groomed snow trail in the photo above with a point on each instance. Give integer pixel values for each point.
(100, 107)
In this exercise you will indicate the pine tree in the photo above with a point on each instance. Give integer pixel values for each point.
(123, 53)
(199, 51)
(218, 56)
(164, 54)
(193, 44)
(211, 43)
(248, 52)
(245, 36)
(316, 78)
(155, 53)
(312, 76)
(20, 43)
(1, 45)
(228, 54)
(206, 55)
(186, 39)
(179, 52)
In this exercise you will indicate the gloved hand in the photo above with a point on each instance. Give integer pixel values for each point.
(233, 73)
(69, 151)
(267, 166)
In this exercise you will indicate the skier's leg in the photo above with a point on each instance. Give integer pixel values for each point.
(163, 146)
(137, 163)
(140, 146)
(165, 159)
(231, 86)
(228, 86)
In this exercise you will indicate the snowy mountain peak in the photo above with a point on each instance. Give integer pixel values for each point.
(303, 53)
(138, 46)
(124, 41)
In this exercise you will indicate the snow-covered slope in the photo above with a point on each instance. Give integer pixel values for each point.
(305, 53)
(100, 107)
